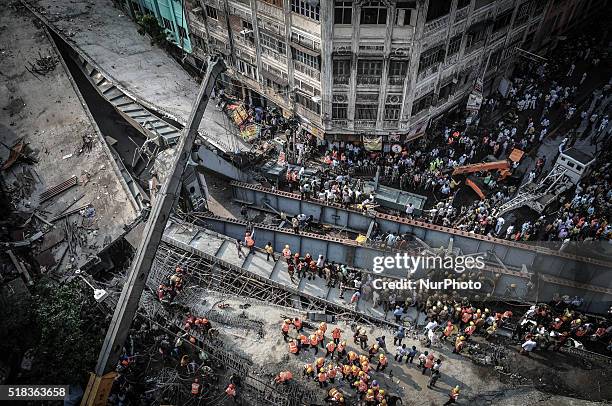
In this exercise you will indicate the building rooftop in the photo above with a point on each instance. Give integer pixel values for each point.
(46, 112)
(109, 39)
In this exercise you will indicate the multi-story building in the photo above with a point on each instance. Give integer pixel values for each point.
(375, 67)
(169, 14)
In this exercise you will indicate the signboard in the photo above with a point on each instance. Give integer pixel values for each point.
(250, 132)
(372, 143)
(240, 115)
(417, 131)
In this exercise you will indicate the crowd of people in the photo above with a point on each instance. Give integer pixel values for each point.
(349, 370)
(541, 96)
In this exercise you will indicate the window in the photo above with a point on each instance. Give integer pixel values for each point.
(305, 58)
(474, 39)
(463, 3)
(430, 58)
(437, 9)
(343, 12)
(339, 111)
(246, 68)
(502, 20)
(367, 111)
(422, 103)
(307, 102)
(307, 41)
(397, 68)
(304, 8)
(374, 12)
(167, 24)
(247, 25)
(454, 45)
(272, 43)
(403, 12)
(495, 58)
(392, 112)
(198, 42)
(369, 68)
(342, 71)
(211, 12)
(445, 91)
(522, 14)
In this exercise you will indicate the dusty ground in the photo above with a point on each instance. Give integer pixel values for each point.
(479, 385)
(45, 110)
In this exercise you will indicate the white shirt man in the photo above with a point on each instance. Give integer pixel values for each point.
(409, 210)
(529, 346)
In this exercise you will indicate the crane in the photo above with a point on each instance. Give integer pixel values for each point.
(100, 381)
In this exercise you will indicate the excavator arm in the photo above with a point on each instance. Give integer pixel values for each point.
(483, 166)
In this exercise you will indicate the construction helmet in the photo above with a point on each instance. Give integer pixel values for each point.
(370, 392)
(462, 338)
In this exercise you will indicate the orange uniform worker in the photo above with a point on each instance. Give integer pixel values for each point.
(297, 323)
(322, 378)
(320, 337)
(335, 396)
(332, 371)
(293, 347)
(330, 347)
(469, 330)
(336, 335)
(308, 371)
(195, 387)
(448, 330)
(283, 377)
(352, 356)
(341, 349)
(319, 363)
(453, 396)
(285, 329)
(304, 341)
(382, 362)
(314, 343)
(459, 344)
(370, 397)
(231, 390)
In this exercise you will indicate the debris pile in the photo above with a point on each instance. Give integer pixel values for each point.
(43, 64)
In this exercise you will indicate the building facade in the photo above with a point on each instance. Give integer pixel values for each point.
(169, 14)
(365, 67)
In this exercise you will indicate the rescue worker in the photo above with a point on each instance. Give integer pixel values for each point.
(297, 323)
(448, 330)
(435, 374)
(250, 243)
(352, 357)
(285, 329)
(320, 337)
(491, 330)
(335, 396)
(469, 330)
(370, 398)
(331, 373)
(293, 347)
(283, 377)
(382, 362)
(287, 254)
(231, 391)
(459, 345)
(331, 347)
(304, 342)
(336, 332)
(361, 387)
(314, 343)
(453, 396)
(341, 349)
(429, 362)
(308, 371)
(319, 362)
(380, 396)
(372, 351)
(322, 378)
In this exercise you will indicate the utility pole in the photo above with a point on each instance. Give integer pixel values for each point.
(100, 382)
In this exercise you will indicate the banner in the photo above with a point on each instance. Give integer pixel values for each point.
(250, 132)
(418, 131)
(240, 115)
(373, 143)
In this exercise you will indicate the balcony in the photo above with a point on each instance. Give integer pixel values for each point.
(342, 80)
(436, 25)
(196, 21)
(368, 80)
(313, 117)
(428, 72)
(396, 80)
(274, 55)
(390, 124)
(340, 123)
(461, 14)
(365, 124)
(307, 70)
(270, 10)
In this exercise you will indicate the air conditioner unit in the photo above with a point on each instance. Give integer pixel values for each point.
(246, 32)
